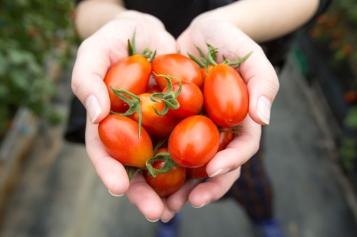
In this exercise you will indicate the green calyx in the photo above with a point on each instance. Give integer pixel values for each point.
(162, 156)
(236, 63)
(133, 102)
(169, 98)
(147, 53)
(211, 58)
(131, 171)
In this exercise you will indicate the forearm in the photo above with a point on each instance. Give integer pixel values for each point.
(264, 20)
(91, 15)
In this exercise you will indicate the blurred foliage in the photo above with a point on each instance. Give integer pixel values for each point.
(348, 148)
(336, 30)
(32, 34)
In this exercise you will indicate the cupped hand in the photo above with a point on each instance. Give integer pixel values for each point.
(263, 85)
(95, 55)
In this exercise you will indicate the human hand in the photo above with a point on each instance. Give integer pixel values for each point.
(95, 55)
(263, 85)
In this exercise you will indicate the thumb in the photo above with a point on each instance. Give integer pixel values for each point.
(87, 80)
(263, 85)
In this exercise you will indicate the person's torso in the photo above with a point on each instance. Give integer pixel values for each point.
(175, 14)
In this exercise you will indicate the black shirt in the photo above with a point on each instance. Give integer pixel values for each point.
(175, 14)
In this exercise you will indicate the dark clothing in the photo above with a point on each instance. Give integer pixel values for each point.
(253, 189)
(175, 14)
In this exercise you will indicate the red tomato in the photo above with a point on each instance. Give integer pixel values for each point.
(204, 72)
(131, 74)
(154, 88)
(197, 173)
(194, 141)
(190, 100)
(167, 183)
(176, 65)
(226, 96)
(157, 125)
(119, 135)
(225, 138)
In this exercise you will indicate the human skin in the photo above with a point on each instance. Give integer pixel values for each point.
(106, 25)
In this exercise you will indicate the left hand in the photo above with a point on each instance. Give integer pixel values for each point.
(263, 85)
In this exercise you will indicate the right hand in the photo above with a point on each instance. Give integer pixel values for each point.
(95, 55)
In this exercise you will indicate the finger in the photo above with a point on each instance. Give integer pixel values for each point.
(185, 44)
(110, 171)
(95, 55)
(177, 200)
(239, 151)
(145, 199)
(262, 82)
(87, 79)
(213, 189)
(167, 214)
(257, 71)
(164, 43)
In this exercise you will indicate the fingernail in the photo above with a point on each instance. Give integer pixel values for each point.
(93, 108)
(199, 206)
(115, 195)
(218, 172)
(165, 220)
(151, 220)
(263, 109)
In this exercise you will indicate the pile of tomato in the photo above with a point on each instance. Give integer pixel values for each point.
(171, 114)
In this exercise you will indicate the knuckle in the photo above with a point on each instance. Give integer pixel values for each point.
(216, 195)
(274, 83)
(259, 48)
(238, 172)
(270, 86)
(84, 45)
(255, 148)
(75, 85)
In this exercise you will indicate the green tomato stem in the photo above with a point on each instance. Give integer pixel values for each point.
(163, 156)
(133, 102)
(131, 171)
(169, 98)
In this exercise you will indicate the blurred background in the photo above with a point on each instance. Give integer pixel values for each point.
(49, 188)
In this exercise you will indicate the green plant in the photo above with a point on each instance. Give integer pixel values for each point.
(335, 30)
(32, 33)
(348, 148)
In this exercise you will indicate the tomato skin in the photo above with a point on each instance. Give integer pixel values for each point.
(153, 88)
(176, 65)
(132, 74)
(204, 72)
(225, 138)
(194, 141)
(190, 100)
(168, 183)
(226, 96)
(197, 173)
(119, 135)
(157, 125)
